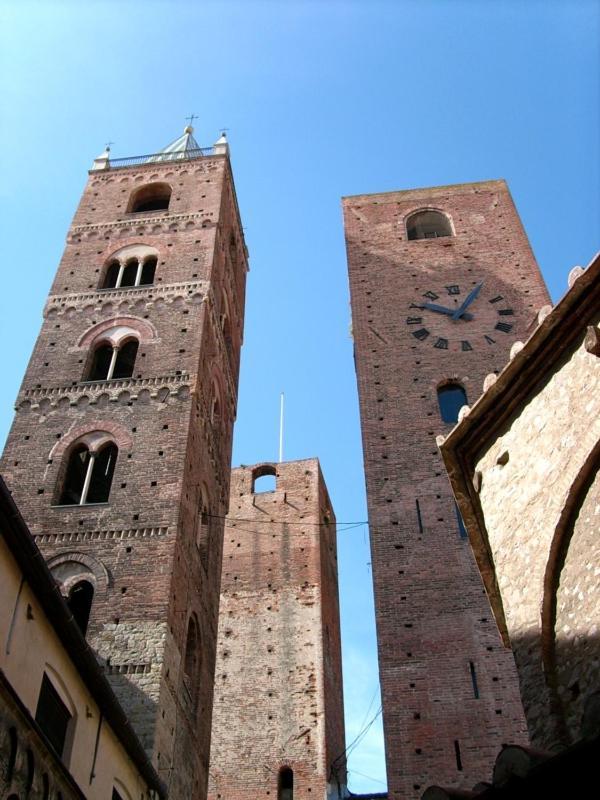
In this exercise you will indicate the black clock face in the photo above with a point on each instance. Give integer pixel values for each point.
(460, 317)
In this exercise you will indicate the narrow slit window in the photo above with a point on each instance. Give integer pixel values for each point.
(462, 531)
(419, 518)
(286, 784)
(474, 680)
(457, 755)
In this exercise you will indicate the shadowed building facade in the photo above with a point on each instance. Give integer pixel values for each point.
(524, 463)
(119, 454)
(278, 722)
(442, 282)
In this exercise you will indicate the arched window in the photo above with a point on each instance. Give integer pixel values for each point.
(428, 225)
(89, 474)
(216, 410)
(111, 361)
(80, 602)
(286, 784)
(191, 662)
(264, 479)
(153, 197)
(451, 398)
(131, 273)
(30, 760)
(203, 525)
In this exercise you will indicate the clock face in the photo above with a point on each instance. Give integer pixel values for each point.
(460, 317)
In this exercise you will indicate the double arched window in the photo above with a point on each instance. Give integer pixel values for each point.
(89, 470)
(428, 224)
(113, 355)
(151, 197)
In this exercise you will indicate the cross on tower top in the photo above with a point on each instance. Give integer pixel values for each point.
(191, 118)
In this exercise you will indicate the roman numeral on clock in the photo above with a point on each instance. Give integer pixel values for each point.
(421, 334)
(431, 295)
(496, 299)
(453, 289)
(503, 326)
(414, 320)
(464, 345)
(506, 312)
(441, 344)
(489, 339)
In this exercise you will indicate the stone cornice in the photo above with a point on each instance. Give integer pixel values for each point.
(162, 223)
(60, 303)
(103, 392)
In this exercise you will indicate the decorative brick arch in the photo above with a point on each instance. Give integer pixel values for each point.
(118, 433)
(144, 329)
(150, 241)
(85, 568)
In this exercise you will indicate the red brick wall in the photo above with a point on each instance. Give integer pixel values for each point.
(141, 547)
(433, 617)
(278, 684)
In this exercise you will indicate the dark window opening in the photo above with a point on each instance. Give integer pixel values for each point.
(286, 784)
(110, 363)
(129, 273)
(451, 398)
(125, 361)
(102, 474)
(154, 197)
(116, 795)
(30, 770)
(80, 602)
(112, 274)
(12, 755)
(457, 754)
(89, 477)
(100, 363)
(52, 716)
(474, 680)
(419, 518)
(148, 272)
(428, 225)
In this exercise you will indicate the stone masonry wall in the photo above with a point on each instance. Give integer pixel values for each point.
(550, 441)
(449, 688)
(278, 688)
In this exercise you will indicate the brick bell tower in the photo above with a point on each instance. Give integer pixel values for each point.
(119, 455)
(442, 282)
(278, 723)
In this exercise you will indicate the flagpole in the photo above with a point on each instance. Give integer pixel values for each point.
(281, 429)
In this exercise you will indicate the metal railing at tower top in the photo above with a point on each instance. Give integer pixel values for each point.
(160, 158)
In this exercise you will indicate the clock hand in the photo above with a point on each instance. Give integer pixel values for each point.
(443, 310)
(468, 300)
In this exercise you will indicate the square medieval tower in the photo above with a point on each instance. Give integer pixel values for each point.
(119, 455)
(442, 281)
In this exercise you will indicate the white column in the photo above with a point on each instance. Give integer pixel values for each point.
(113, 361)
(120, 275)
(138, 274)
(88, 478)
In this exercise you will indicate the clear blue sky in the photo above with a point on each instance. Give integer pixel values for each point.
(321, 99)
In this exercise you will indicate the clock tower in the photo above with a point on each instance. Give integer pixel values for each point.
(442, 281)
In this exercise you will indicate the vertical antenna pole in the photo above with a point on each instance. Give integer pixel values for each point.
(281, 429)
